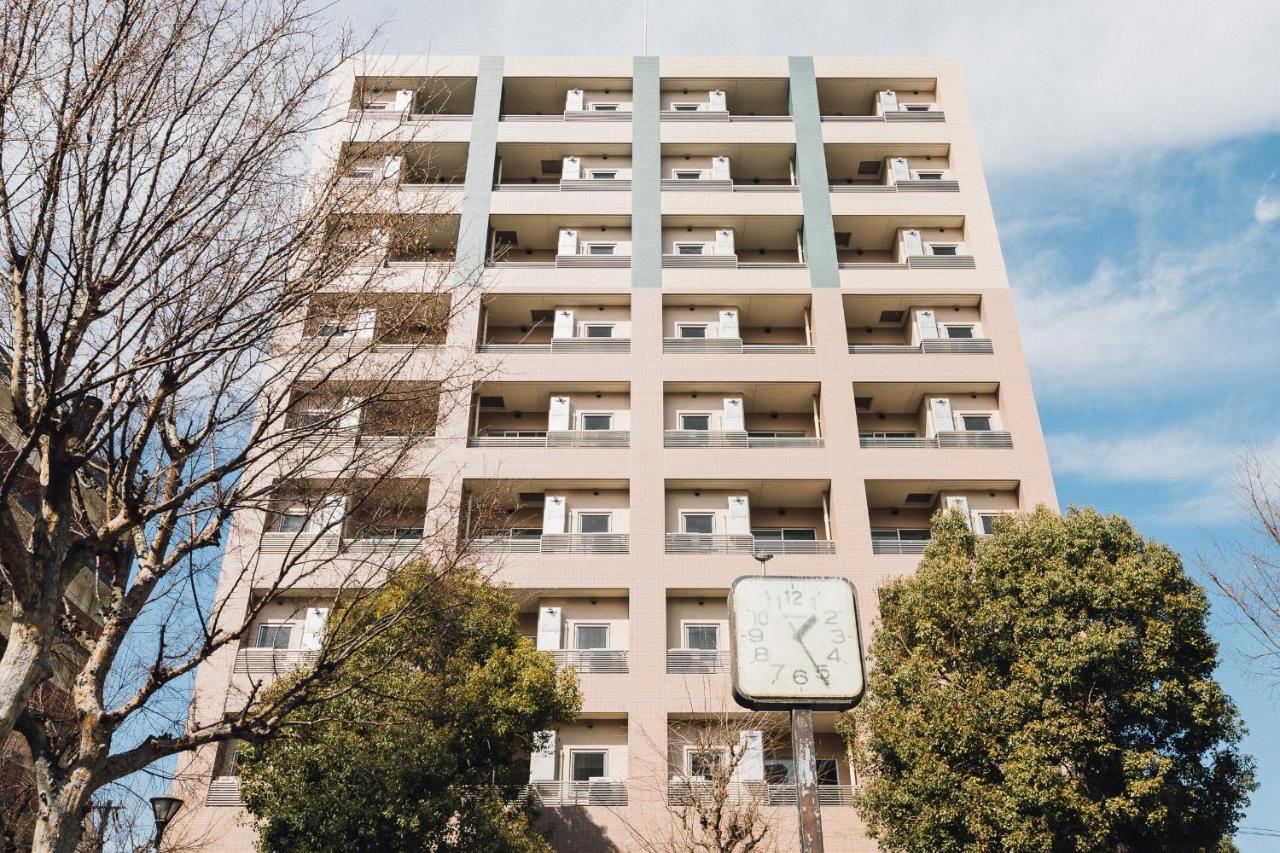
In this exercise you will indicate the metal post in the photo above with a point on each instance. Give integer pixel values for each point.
(807, 807)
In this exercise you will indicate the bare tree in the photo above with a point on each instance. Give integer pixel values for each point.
(716, 796)
(191, 320)
(1247, 573)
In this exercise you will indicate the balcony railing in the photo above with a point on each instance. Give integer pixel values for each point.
(593, 262)
(597, 792)
(698, 185)
(224, 791)
(562, 346)
(556, 438)
(598, 184)
(268, 661)
(898, 546)
(969, 346)
(915, 262)
(895, 115)
(716, 262)
(697, 661)
(731, 345)
(899, 186)
(706, 438)
(990, 439)
(727, 543)
(555, 543)
(682, 792)
(592, 660)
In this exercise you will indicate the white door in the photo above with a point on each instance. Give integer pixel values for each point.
(739, 520)
(940, 409)
(549, 628)
(553, 514)
(313, 628)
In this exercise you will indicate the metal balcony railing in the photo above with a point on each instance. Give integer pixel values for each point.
(697, 661)
(592, 660)
(727, 543)
(941, 262)
(699, 185)
(706, 438)
(731, 345)
(555, 543)
(715, 262)
(896, 115)
(969, 346)
(593, 262)
(900, 186)
(990, 439)
(556, 438)
(597, 115)
(561, 346)
(597, 184)
(681, 792)
(596, 792)
(224, 791)
(268, 661)
(694, 115)
(898, 546)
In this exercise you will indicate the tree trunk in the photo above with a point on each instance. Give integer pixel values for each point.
(61, 824)
(23, 667)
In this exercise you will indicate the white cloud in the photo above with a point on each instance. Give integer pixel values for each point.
(1266, 209)
(1168, 319)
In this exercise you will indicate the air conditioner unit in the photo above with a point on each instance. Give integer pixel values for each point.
(493, 403)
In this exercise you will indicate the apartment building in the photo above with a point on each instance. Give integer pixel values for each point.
(732, 305)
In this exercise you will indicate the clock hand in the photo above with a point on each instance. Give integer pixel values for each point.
(816, 667)
(804, 629)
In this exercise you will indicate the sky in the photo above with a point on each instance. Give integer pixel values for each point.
(1133, 155)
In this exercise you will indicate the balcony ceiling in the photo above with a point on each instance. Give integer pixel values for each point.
(906, 397)
(546, 95)
(880, 232)
(516, 310)
(509, 489)
(864, 311)
(519, 158)
(533, 396)
(763, 493)
(756, 310)
(749, 232)
(893, 493)
(856, 95)
(756, 396)
(746, 160)
(537, 231)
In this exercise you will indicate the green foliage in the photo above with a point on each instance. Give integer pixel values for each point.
(417, 751)
(1050, 688)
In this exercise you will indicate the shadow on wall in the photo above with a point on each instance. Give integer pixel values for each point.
(571, 828)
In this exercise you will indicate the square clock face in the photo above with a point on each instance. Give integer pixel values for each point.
(795, 643)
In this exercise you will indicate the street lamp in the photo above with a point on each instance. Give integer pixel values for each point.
(164, 809)
(761, 557)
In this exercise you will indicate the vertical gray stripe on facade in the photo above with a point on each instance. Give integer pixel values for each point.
(811, 172)
(646, 175)
(482, 152)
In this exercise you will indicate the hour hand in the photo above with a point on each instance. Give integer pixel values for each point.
(804, 629)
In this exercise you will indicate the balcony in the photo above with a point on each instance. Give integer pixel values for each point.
(894, 325)
(410, 166)
(518, 542)
(897, 242)
(683, 792)
(901, 511)
(594, 792)
(732, 242)
(592, 660)
(566, 99)
(767, 324)
(697, 661)
(725, 99)
(523, 241)
(539, 414)
(770, 517)
(366, 414)
(729, 168)
(384, 516)
(414, 98)
(568, 324)
(764, 415)
(406, 240)
(547, 516)
(224, 792)
(524, 167)
(270, 661)
(901, 167)
(878, 99)
(930, 415)
(384, 320)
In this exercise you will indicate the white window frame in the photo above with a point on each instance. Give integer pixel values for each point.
(604, 107)
(916, 108)
(941, 174)
(897, 533)
(677, 172)
(689, 750)
(973, 327)
(298, 510)
(608, 633)
(604, 771)
(687, 244)
(274, 623)
(888, 433)
(583, 327)
(680, 416)
(684, 516)
(685, 107)
(990, 416)
(582, 418)
(705, 327)
(782, 534)
(588, 247)
(578, 515)
(932, 247)
(686, 624)
(979, 514)
(595, 174)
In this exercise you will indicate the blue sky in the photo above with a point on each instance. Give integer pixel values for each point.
(1132, 152)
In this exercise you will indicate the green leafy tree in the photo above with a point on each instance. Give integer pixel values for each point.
(1047, 689)
(417, 751)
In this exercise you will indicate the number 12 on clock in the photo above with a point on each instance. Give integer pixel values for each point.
(795, 643)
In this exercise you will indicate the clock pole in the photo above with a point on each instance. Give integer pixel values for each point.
(806, 771)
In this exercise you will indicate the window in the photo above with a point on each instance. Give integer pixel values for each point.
(607, 249)
(585, 765)
(520, 433)
(552, 167)
(959, 331)
(889, 534)
(987, 523)
(870, 167)
(976, 423)
(597, 422)
(690, 248)
(599, 331)
(292, 520)
(698, 522)
(604, 174)
(688, 174)
(275, 636)
(752, 433)
(916, 108)
(604, 108)
(702, 637)
(928, 176)
(593, 522)
(704, 763)
(701, 423)
(879, 434)
(943, 250)
(526, 533)
(779, 771)
(828, 772)
(785, 534)
(687, 331)
(591, 636)
(685, 108)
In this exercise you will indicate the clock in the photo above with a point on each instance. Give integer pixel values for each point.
(795, 643)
